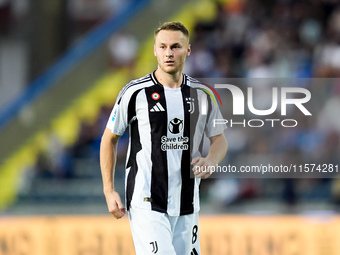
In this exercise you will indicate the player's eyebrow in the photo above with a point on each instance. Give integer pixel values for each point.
(176, 44)
(171, 45)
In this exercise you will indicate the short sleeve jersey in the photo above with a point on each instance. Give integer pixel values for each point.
(167, 128)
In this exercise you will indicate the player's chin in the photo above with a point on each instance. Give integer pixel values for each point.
(170, 69)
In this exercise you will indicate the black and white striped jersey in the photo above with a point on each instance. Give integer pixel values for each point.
(166, 128)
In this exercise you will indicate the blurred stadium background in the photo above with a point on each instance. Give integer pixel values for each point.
(62, 64)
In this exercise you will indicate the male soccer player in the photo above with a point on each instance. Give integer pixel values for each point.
(167, 113)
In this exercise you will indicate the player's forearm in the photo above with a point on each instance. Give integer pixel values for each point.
(107, 162)
(108, 152)
(218, 148)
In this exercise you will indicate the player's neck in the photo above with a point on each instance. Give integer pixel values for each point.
(169, 80)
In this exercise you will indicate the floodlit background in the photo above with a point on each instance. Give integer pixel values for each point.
(62, 64)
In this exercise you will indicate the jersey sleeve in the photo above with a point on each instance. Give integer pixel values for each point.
(215, 121)
(118, 120)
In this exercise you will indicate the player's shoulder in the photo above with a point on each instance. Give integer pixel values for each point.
(203, 88)
(135, 85)
(199, 85)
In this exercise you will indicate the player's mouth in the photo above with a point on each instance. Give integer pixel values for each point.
(169, 62)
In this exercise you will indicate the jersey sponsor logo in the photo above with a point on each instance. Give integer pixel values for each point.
(155, 96)
(157, 108)
(114, 115)
(147, 199)
(176, 126)
(174, 143)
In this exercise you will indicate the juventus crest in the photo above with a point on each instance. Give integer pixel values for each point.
(191, 102)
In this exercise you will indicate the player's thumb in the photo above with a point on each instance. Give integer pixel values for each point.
(118, 201)
(120, 204)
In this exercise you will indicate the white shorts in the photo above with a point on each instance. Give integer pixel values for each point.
(158, 233)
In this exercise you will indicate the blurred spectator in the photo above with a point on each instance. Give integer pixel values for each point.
(5, 15)
(123, 49)
(326, 119)
(87, 13)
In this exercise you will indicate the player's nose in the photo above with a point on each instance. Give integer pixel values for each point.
(169, 53)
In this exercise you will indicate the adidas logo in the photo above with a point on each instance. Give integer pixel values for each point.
(157, 108)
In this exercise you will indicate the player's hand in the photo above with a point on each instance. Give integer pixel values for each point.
(202, 167)
(114, 204)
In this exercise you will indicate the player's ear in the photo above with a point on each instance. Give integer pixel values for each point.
(154, 50)
(188, 50)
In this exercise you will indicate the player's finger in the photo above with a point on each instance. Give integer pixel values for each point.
(119, 203)
(200, 171)
(206, 176)
(195, 160)
(201, 174)
(197, 169)
(121, 210)
(118, 213)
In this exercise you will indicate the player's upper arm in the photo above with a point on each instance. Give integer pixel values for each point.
(108, 136)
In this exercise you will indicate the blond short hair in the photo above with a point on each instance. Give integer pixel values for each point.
(173, 26)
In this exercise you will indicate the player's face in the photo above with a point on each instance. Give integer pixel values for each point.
(171, 49)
